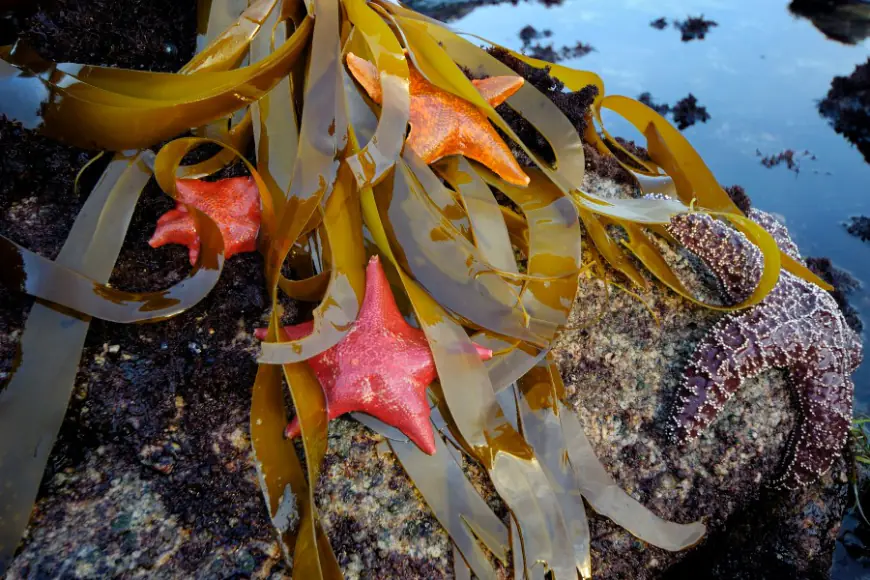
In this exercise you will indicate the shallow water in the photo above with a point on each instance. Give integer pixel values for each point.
(760, 73)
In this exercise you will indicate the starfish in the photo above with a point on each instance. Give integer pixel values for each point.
(382, 367)
(233, 203)
(798, 327)
(443, 124)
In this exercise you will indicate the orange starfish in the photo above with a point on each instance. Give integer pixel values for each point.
(234, 204)
(382, 367)
(443, 124)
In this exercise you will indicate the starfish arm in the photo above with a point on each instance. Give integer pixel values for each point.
(481, 143)
(177, 227)
(367, 75)
(497, 90)
(410, 415)
(823, 424)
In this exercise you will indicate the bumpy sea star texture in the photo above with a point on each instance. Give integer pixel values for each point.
(798, 327)
(442, 124)
(234, 204)
(382, 367)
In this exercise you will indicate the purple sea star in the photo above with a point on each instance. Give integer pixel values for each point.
(798, 327)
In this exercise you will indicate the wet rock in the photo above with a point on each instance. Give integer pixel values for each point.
(624, 402)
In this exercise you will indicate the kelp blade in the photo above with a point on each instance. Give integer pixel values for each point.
(381, 152)
(34, 402)
(607, 498)
(452, 498)
(538, 404)
(30, 273)
(91, 116)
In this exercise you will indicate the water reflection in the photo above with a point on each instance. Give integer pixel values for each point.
(844, 21)
(847, 106)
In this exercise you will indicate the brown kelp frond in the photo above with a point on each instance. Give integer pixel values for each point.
(334, 171)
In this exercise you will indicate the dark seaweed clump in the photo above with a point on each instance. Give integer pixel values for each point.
(844, 284)
(847, 107)
(660, 108)
(659, 23)
(685, 112)
(694, 27)
(739, 197)
(859, 226)
(547, 51)
(790, 157)
(573, 104)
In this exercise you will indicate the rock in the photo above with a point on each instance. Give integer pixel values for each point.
(153, 473)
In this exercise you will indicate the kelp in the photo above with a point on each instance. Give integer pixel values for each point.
(336, 185)
(33, 402)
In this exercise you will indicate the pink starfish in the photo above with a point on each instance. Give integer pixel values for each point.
(382, 367)
(233, 203)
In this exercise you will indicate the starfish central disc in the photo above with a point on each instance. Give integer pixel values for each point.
(443, 124)
(382, 367)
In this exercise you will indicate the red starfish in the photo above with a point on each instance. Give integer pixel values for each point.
(233, 203)
(382, 367)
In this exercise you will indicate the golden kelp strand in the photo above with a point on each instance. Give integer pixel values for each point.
(538, 404)
(275, 130)
(213, 18)
(34, 402)
(27, 272)
(429, 247)
(321, 141)
(554, 245)
(342, 221)
(385, 146)
(89, 115)
(608, 499)
(689, 172)
(454, 501)
(488, 228)
(448, 356)
(280, 473)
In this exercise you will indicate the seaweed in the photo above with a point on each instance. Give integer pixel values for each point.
(547, 52)
(332, 172)
(789, 157)
(694, 27)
